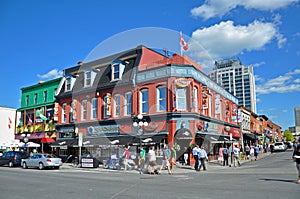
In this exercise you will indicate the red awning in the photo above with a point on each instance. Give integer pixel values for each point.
(47, 140)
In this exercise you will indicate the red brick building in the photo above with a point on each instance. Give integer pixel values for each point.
(180, 104)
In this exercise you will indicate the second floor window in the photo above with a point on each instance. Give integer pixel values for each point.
(64, 113)
(181, 101)
(87, 78)
(195, 96)
(117, 106)
(83, 110)
(128, 103)
(45, 96)
(35, 98)
(144, 101)
(94, 110)
(161, 98)
(27, 100)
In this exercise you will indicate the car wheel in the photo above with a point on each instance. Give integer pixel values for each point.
(41, 166)
(56, 167)
(24, 165)
(10, 164)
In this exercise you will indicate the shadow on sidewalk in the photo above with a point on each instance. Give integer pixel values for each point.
(278, 180)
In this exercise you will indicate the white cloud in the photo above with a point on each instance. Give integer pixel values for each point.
(297, 81)
(225, 39)
(281, 84)
(218, 8)
(51, 74)
(259, 64)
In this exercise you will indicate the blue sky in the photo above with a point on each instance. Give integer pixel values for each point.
(41, 38)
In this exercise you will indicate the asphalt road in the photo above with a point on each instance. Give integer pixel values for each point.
(272, 177)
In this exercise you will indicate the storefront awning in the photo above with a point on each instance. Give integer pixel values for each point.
(65, 143)
(249, 136)
(214, 138)
(47, 140)
(146, 139)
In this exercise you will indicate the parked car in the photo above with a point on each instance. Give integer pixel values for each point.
(12, 158)
(42, 161)
(279, 146)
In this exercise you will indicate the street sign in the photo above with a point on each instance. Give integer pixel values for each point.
(80, 139)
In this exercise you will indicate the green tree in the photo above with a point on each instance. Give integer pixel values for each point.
(288, 135)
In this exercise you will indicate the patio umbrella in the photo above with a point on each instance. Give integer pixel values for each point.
(29, 144)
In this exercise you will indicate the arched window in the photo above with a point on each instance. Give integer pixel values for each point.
(117, 105)
(195, 97)
(181, 98)
(94, 108)
(83, 109)
(144, 100)
(128, 103)
(161, 98)
(64, 113)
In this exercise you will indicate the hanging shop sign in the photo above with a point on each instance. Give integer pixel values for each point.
(236, 133)
(100, 130)
(55, 115)
(182, 82)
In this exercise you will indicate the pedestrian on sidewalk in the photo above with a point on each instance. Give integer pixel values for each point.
(126, 158)
(195, 152)
(203, 157)
(225, 156)
(247, 150)
(297, 160)
(166, 160)
(152, 160)
(256, 150)
(142, 159)
(236, 156)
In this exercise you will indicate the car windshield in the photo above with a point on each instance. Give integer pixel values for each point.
(278, 144)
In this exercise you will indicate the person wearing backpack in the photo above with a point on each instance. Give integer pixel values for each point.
(225, 156)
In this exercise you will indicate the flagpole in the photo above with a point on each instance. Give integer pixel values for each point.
(181, 51)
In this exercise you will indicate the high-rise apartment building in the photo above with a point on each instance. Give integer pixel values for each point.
(297, 116)
(237, 79)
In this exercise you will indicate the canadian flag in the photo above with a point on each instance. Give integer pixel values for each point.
(9, 123)
(183, 44)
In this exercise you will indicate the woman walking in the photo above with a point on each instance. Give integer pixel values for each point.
(297, 160)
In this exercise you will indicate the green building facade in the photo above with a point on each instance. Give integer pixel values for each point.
(37, 121)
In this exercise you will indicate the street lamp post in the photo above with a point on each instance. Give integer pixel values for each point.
(25, 136)
(140, 122)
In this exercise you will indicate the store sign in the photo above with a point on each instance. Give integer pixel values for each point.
(182, 82)
(236, 133)
(100, 130)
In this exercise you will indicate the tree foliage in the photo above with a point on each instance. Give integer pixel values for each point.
(288, 135)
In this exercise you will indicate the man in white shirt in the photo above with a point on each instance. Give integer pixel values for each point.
(236, 156)
(203, 157)
(195, 152)
(152, 160)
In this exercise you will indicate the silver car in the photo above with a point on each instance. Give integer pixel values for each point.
(42, 161)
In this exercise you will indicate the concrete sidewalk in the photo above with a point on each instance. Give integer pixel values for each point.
(178, 169)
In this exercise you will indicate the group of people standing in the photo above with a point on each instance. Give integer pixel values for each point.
(200, 157)
(169, 159)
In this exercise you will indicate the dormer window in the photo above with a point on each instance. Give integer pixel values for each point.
(68, 84)
(87, 78)
(117, 69)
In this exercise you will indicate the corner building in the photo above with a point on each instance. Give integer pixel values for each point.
(181, 105)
